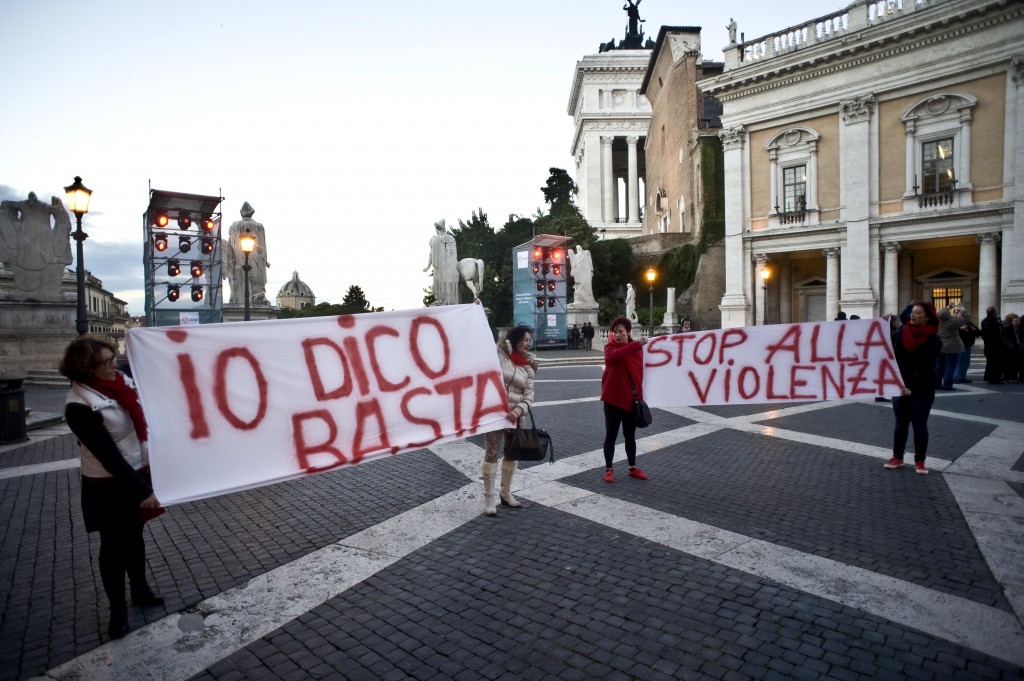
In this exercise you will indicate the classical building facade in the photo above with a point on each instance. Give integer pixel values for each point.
(611, 120)
(872, 156)
(295, 295)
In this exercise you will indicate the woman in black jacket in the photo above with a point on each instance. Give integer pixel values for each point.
(102, 409)
(917, 346)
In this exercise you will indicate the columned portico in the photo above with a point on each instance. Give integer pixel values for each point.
(607, 180)
(632, 180)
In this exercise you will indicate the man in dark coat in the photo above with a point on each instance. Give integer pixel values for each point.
(992, 337)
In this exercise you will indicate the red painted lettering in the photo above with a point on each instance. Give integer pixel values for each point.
(828, 378)
(411, 418)
(744, 392)
(454, 387)
(703, 394)
(839, 346)
(364, 410)
(490, 379)
(888, 375)
(711, 352)
(790, 342)
(858, 378)
(815, 357)
(358, 370)
(770, 389)
(796, 382)
(877, 337)
(321, 393)
(414, 346)
(304, 451)
(371, 345)
(654, 349)
(220, 389)
(193, 398)
(741, 337)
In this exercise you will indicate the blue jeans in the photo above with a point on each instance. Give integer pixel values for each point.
(912, 410)
(963, 365)
(947, 364)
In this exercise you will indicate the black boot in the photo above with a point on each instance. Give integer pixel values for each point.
(143, 596)
(118, 622)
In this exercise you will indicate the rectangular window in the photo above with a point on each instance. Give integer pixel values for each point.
(937, 166)
(794, 181)
(944, 297)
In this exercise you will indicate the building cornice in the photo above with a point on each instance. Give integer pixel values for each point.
(847, 52)
(624, 61)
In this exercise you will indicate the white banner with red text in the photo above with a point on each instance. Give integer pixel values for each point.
(776, 363)
(239, 405)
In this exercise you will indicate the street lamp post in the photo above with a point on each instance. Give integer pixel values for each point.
(78, 203)
(248, 242)
(765, 276)
(651, 276)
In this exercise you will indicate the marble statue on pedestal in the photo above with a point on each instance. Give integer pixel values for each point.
(731, 27)
(36, 251)
(234, 260)
(631, 304)
(582, 272)
(445, 261)
(472, 272)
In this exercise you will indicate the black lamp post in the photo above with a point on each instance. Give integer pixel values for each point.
(765, 276)
(248, 242)
(78, 203)
(651, 276)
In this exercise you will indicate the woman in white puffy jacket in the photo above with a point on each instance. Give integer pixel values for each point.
(102, 409)
(518, 368)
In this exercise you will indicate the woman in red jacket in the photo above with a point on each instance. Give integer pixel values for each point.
(623, 373)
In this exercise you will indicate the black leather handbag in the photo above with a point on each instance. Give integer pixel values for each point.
(528, 444)
(641, 412)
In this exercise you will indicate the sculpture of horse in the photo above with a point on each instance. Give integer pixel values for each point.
(471, 271)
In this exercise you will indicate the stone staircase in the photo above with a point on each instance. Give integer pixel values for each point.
(45, 378)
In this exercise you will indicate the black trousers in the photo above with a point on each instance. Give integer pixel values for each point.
(613, 419)
(912, 410)
(993, 364)
(122, 551)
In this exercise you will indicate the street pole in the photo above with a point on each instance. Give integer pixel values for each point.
(245, 268)
(82, 323)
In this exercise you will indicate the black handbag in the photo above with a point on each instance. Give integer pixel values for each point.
(641, 412)
(528, 444)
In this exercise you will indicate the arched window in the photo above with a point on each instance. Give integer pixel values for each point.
(938, 151)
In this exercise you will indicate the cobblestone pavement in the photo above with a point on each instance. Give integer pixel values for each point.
(768, 543)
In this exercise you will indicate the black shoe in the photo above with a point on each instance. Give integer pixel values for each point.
(144, 597)
(118, 623)
(881, 399)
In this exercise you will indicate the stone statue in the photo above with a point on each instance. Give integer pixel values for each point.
(633, 11)
(631, 304)
(472, 272)
(36, 249)
(732, 31)
(582, 271)
(445, 261)
(234, 260)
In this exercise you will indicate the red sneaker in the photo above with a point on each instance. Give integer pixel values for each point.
(894, 463)
(635, 472)
(609, 475)
(919, 468)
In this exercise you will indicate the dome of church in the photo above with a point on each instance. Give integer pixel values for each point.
(295, 287)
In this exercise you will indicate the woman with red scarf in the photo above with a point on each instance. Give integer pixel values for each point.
(518, 368)
(917, 346)
(102, 409)
(623, 378)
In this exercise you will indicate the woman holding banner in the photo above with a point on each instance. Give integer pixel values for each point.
(916, 345)
(518, 368)
(103, 411)
(623, 374)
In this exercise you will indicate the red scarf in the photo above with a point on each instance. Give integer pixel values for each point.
(125, 396)
(519, 359)
(915, 334)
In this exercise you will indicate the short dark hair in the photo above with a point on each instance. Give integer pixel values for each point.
(623, 322)
(516, 333)
(82, 357)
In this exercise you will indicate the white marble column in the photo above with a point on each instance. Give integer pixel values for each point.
(988, 285)
(891, 299)
(773, 176)
(906, 278)
(856, 145)
(761, 264)
(607, 180)
(633, 181)
(910, 174)
(964, 179)
(831, 282)
(670, 308)
(1012, 295)
(785, 292)
(735, 305)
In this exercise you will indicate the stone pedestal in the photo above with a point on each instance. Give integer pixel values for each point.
(236, 313)
(670, 309)
(33, 335)
(580, 315)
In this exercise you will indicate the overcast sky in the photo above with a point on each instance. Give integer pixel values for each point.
(350, 128)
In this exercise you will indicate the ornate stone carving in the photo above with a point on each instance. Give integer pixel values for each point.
(858, 109)
(1017, 70)
(990, 236)
(889, 246)
(36, 252)
(733, 138)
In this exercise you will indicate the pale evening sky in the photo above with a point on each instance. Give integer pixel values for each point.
(350, 128)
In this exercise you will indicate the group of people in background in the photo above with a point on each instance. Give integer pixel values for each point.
(581, 338)
(1004, 347)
